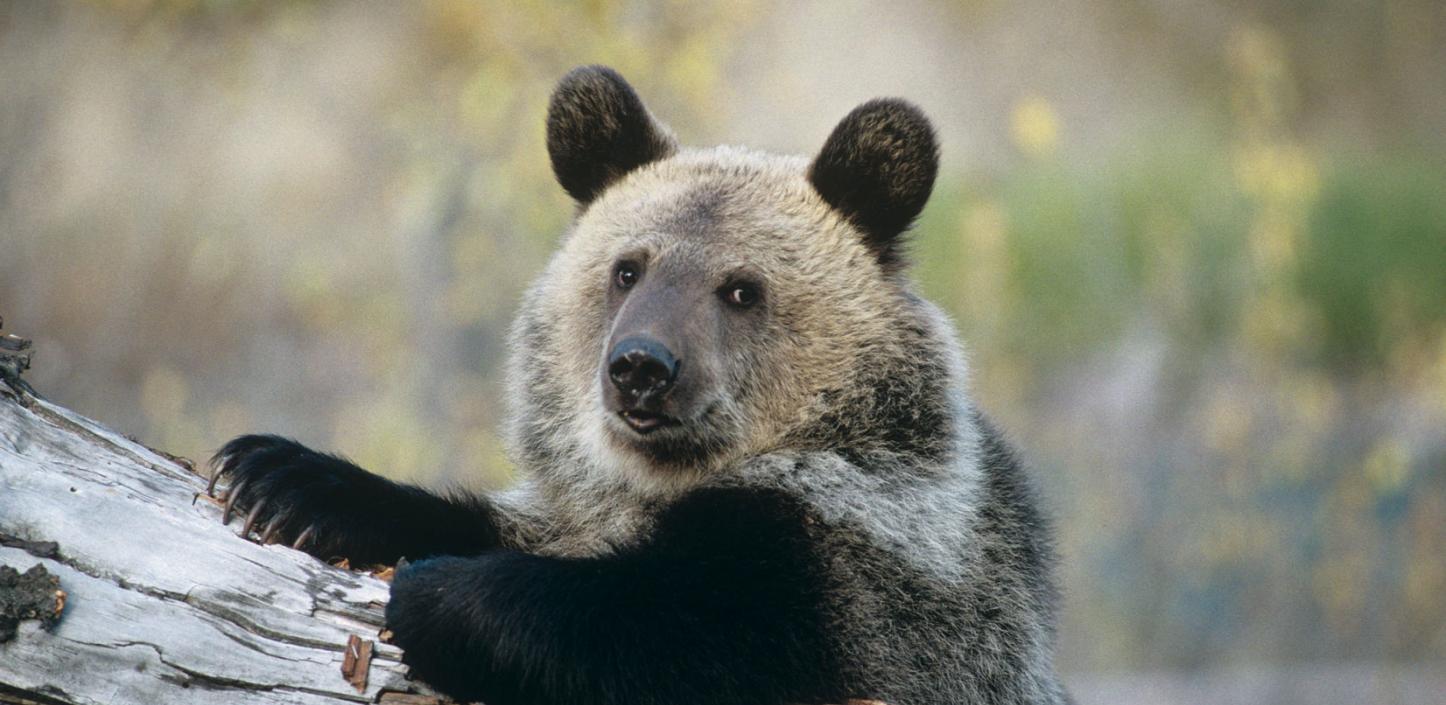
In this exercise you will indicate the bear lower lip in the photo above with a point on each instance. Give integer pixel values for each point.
(646, 421)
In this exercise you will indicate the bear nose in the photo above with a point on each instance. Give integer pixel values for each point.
(641, 365)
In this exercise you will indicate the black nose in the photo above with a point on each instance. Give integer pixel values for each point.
(641, 365)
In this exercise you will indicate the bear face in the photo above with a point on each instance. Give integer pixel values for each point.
(711, 305)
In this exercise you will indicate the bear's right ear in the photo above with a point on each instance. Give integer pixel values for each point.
(598, 131)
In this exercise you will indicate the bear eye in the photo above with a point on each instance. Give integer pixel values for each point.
(740, 295)
(626, 275)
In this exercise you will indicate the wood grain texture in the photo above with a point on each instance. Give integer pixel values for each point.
(164, 604)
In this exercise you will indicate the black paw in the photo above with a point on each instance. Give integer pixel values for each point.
(288, 493)
(432, 617)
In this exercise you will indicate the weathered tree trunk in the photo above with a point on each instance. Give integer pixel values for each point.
(161, 603)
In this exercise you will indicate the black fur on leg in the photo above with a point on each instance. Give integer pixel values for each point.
(723, 605)
(333, 509)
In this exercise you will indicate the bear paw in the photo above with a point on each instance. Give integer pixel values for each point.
(291, 494)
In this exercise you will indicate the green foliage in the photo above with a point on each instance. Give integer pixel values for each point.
(1375, 262)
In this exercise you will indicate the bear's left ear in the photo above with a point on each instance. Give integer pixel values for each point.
(598, 130)
(877, 169)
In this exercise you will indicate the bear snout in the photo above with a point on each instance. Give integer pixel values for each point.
(640, 366)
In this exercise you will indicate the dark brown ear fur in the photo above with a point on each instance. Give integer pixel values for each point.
(598, 130)
(877, 169)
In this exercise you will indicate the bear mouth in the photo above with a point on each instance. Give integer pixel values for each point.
(645, 422)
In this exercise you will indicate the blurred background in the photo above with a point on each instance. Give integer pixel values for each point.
(1197, 250)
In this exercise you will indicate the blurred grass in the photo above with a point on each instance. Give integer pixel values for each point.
(1074, 255)
(1375, 266)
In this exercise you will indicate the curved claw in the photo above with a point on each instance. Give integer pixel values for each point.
(215, 475)
(272, 528)
(231, 496)
(303, 538)
(252, 517)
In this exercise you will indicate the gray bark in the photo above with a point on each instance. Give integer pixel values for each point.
(162, 603)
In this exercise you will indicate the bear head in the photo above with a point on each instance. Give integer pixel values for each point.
(712, 304)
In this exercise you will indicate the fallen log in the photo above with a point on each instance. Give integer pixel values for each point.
(157, 602)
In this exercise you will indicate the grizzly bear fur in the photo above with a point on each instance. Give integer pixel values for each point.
(753, 470)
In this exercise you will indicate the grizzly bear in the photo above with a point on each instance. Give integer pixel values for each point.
(753, 472)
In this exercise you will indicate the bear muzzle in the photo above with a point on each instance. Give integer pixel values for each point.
(643, 371)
